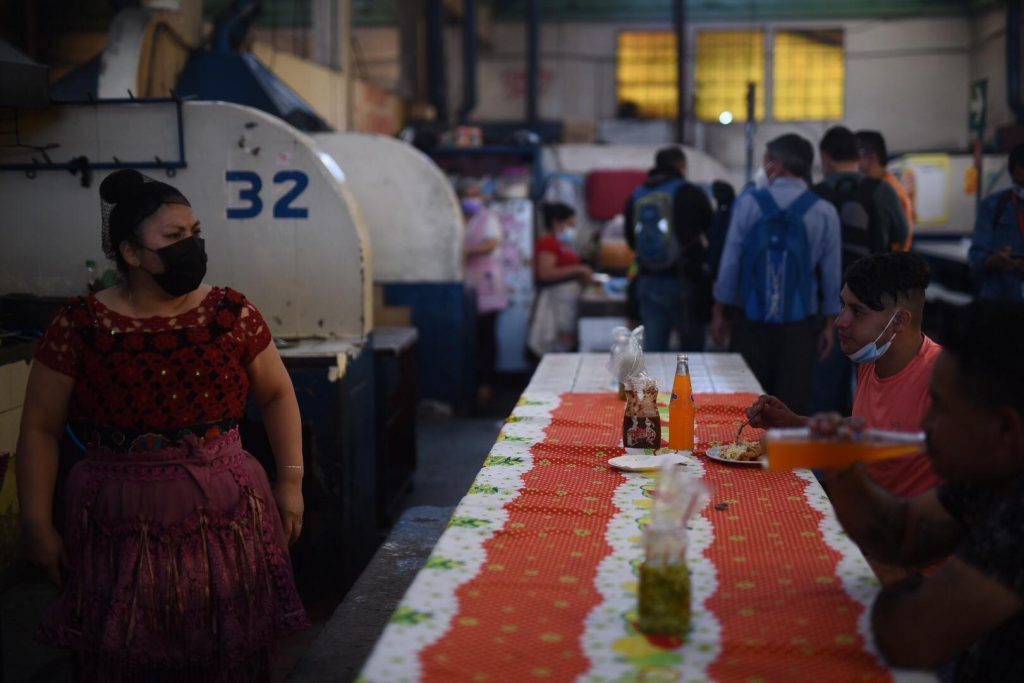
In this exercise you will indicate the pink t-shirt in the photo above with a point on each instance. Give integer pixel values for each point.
(899, 403)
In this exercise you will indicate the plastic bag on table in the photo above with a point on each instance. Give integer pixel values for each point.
(627, 356)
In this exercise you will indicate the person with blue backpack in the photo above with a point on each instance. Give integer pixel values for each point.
(779, 277)
(667, 220)
(997, 245)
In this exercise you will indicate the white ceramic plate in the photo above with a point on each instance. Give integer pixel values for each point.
(645, 463)
(714, 453)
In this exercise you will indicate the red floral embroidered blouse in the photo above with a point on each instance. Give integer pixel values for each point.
(156, 374)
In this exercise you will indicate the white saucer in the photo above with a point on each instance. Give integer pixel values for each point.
(646, 463)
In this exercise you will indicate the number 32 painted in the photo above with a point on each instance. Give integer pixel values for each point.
(251, 194)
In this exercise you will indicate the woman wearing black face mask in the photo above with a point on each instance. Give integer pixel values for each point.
(174, 559)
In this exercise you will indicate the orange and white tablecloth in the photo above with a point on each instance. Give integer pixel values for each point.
(536, 575)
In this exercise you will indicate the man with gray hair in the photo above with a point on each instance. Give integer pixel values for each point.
(779, 276)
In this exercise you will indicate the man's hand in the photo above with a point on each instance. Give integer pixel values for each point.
(769, 412)
(1001, 261)
(826, 425)
(719, 325)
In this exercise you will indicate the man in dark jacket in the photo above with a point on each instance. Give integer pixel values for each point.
(872, 222)
(667, 220)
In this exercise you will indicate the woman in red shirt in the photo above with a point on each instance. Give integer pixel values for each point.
(173, 559)
(559, 274)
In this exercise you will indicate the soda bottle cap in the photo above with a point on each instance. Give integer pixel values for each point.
(683, 356)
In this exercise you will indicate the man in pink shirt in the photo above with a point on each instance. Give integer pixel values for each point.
(880, 330)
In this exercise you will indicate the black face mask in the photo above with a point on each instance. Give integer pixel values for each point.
(184, 266)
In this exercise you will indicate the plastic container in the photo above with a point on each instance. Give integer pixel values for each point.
(789, 449)
(664, 591)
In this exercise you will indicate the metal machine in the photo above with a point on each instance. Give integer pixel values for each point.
(416, 228)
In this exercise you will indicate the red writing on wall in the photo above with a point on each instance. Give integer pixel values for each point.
(514, 81)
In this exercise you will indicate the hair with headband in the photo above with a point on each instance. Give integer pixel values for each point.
(128, 199)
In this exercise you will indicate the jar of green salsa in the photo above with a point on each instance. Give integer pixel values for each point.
(664, 598)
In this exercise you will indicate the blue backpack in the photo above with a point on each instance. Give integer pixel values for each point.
(657, 247)
(775, 277)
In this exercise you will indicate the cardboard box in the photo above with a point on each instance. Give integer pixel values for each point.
(389, 316)
(578, 131)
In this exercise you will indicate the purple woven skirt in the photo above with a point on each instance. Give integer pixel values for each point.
(179, 566)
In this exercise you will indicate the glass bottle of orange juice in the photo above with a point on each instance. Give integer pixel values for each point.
(680, 408)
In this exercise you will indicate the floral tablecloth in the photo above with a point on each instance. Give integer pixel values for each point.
(536, 576)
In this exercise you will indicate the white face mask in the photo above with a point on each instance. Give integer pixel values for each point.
(761, 179)
(869, 353)
(567, 236)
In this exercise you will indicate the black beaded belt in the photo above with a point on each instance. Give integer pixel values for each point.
(127, 440)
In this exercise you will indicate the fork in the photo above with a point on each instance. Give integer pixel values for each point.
(740, 430)
(745, 423)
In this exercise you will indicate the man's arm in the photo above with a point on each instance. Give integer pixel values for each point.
(924, 623)
(983, 253)
(892, 226)
(627, 226)
(727, 284)
(726, 290)
(693, 214)
(909, 532)
(829, 262)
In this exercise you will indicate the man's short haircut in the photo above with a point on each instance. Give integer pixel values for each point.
(872, 142)
(670, 157)
(985, 338)
(884, 280)
(555, 212)
(794, 153)
(1016, 159)
(840, 144)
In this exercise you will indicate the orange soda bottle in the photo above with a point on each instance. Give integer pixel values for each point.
(680, 408)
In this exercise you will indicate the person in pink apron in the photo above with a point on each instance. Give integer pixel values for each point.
(486, 276)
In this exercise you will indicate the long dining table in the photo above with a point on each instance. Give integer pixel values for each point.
(535, 577)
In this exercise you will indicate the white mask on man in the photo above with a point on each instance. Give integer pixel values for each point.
(761, 179)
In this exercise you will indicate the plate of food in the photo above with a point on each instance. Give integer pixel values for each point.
(645, 463)
(743, 453)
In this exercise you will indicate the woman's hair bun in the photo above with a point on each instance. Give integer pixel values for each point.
(121, 185)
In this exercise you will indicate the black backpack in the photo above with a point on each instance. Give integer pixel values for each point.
(855, 203)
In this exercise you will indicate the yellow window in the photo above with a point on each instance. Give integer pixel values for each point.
(726, 62)
(808, 75)
(646, 72)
